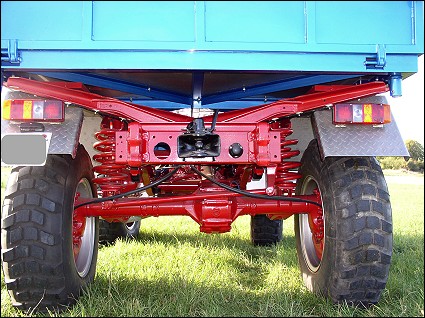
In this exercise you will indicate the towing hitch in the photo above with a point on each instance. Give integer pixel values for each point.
(198, 141)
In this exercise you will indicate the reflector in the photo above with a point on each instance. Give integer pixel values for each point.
(361, 114)
(33, 110)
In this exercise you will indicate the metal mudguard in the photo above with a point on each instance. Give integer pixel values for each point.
(65, 136)
(356, 140)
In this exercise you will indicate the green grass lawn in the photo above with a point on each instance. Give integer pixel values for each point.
(174, 270)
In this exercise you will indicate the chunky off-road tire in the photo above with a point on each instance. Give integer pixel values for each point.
(356, 247)
(265, 232)
(38, 233)
(110, 232)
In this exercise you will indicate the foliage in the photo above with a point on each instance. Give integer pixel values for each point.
(414, 163)
(416, 150)
(394, 163)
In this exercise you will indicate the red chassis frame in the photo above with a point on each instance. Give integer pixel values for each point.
(130, 133)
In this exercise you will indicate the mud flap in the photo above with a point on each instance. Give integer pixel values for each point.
(64, 136)
(356, 140)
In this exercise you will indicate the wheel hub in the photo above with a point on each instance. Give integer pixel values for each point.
(317, 227)
(83, 232)
(78, 227)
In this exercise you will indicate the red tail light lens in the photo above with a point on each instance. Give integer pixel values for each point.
(344, 114)
(33, 110)
(361, 114)
(53, 110)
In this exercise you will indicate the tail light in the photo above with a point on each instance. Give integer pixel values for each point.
(361, 114)
(33, 110)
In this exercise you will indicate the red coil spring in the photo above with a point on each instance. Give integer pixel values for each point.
(284, 176)
(114, 176)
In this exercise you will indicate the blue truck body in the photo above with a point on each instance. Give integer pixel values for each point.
(259, 47)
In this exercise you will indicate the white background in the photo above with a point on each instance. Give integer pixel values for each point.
(408, 110)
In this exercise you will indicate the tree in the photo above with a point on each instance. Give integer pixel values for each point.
(416, 150)
(414, 163)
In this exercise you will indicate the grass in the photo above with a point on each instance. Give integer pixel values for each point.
(174, 270)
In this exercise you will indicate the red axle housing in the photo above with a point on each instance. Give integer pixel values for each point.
(214, 209)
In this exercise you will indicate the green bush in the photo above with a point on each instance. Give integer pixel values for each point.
(394, 163)
(415, 165)
(415, 162)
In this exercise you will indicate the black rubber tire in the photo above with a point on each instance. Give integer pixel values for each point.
(38, 261)
(265, 232)
(110, 232)
(357, 228)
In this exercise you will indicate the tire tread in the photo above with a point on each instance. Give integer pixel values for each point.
(363, 226)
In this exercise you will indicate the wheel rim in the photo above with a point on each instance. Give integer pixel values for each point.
(83, 232)
(130, 226)
(312, 229)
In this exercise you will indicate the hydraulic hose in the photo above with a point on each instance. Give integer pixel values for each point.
(120, 195)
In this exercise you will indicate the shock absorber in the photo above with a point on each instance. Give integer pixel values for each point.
(285, 174)
(112, 178)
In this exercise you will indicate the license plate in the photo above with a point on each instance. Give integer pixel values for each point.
(25, 149)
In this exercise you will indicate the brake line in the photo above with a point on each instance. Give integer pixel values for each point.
(118, 196)
(222, 185)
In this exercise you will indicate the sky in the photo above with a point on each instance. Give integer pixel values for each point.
(408, 110)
